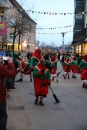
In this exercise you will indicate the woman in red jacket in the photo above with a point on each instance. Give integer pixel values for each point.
(5, 72)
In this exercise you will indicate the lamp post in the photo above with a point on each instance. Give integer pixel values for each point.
(63, 34)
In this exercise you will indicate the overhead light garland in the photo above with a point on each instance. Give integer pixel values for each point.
(55, 27)
(51, 33)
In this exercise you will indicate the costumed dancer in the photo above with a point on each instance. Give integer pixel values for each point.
(74, 67)
(54, 67)
(22, 65)
(41, 81)
(27, 68)
(83, 68)
(36, 56)
(66, 67)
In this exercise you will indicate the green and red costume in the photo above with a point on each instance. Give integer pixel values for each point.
(54, 65)
(41, 80)
(67, 66)
(74, 65)
(83, 68)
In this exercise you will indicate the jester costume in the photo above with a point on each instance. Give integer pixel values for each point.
(67, 67)
(74, 67)
(83, 68)
(41, 81)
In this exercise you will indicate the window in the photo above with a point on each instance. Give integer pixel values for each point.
(11, 35)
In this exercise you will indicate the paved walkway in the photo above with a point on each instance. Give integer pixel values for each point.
(69, 114)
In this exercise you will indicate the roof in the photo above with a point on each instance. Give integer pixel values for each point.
(21, 10)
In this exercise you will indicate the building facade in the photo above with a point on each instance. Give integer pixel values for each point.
(25, 28)
(3, 17)
(79, 43)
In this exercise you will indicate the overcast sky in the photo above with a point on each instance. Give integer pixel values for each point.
(49, 21)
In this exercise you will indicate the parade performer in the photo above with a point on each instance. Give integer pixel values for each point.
(74, 67)
(83, 68)
(36, 57)
(27, 68)
(41, 81)
(22, 66)
(66, 67)
(54, 66)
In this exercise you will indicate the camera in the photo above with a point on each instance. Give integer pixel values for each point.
(5, 61)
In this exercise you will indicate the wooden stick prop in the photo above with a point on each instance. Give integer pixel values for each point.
(54, 95)
(57, 75)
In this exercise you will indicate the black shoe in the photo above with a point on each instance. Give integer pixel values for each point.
(41, 103)
(83, 85)
(36, 101)
(57, 81)
(64, 77)
(30, 80)
(53, 79)
(86, 86)
(20, 80)
(13, 88)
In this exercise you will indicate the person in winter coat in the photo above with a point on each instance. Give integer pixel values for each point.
(5, 72)
(41, 76)
(83, 68)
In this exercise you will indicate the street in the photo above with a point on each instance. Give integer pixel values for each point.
(69, 114)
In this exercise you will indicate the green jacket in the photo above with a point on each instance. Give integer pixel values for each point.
(83, 64)
(38, 74)
(33, 62)
(72, 63)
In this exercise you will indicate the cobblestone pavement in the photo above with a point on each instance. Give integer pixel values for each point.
(69, 114)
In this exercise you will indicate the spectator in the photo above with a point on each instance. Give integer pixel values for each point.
(59, 56)
(5, 72)
(28, 55)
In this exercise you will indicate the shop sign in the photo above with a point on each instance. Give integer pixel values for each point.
(3, 29)
(78, 16)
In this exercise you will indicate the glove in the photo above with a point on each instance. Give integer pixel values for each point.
(42, 71)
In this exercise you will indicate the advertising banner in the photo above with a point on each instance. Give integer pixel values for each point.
(3, 29)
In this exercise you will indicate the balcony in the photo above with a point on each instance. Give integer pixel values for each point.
(80, 36)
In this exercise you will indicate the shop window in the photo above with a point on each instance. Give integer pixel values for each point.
(76, 49)
(80, 49)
